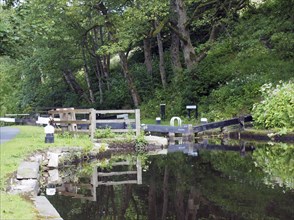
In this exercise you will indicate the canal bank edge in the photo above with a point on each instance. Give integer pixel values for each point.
(26, 182)
(26, 179)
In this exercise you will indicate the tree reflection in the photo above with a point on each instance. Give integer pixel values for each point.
(214, 185)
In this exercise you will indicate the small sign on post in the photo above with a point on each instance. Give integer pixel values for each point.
(190, 108)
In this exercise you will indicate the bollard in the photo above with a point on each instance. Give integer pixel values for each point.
(203, 120)
(158, 120)
(49, 131)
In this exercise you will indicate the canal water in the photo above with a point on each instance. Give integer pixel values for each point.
(207, 180)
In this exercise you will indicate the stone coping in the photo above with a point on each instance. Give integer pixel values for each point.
(26, 180)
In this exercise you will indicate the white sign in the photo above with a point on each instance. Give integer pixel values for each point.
(191, 107)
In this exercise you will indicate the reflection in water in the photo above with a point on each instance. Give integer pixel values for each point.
(86, 187)
(192, 149)
(217, 184)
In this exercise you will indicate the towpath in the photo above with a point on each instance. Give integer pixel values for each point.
(7, 133)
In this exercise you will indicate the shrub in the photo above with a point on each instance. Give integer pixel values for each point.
(276, 110)
(104, 133)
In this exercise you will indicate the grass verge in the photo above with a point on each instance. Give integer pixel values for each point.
(29, 140)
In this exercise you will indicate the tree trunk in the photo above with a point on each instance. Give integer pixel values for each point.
(92, 99)
(148, 55)
(165, 193)
(123, 58)
(74, 85)
(179, 203)
(193, 204)
(129, 78)
(105, 58)
(98, 65)
(152, 213)
(105, 64)
(161, 59)
(127, 195)
(98, 73)
(175, 40)
(112, 196)
(187, 47)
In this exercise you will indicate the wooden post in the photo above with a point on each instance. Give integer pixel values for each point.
(139, 171)
(190, 136)
(94, 182)
(93, 123)
(138, 122)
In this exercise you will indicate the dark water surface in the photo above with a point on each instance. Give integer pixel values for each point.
(191, 181)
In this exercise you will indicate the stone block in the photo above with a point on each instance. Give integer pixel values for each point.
(161, 141)
(53, 160)
(45, 208)
(28, 170)
(28, 187)
(54, 176)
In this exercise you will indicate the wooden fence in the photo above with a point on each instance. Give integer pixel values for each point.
(86, 120)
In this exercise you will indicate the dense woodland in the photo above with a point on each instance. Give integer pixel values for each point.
(223, 56)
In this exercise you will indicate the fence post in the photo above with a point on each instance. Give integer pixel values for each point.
(139, 171)
(138, 122)
(93, 123)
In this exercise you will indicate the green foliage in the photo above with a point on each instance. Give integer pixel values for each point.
(276, 110)
(141, 144)
(277, 163)
(252, 48)
(9, 82)
(104, 133)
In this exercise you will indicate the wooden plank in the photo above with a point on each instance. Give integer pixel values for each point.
(115, 120)
(166, 129)
(7, 119)
(86, 185)
(75, 122)
(214, 125)
(77, 111)
(115, 111)
(72, 132)
(121, 163)
(109, 183)
(223, 147)
(122, 130)
(117, 173)
(17, 114)
(220, 124)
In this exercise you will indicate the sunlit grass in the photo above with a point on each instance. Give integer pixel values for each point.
(29, 140)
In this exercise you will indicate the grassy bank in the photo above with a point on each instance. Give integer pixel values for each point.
(29, 139)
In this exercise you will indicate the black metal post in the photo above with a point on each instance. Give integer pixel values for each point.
(162, 111)
(189, 113)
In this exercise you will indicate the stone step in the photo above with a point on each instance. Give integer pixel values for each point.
(45, 208)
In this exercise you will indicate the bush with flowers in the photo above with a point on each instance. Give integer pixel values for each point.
(276, 110)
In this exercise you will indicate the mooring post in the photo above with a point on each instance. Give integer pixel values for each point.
(93, 123)
(242, 122)
(138, 122)
(172, 135)
(189, 136)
